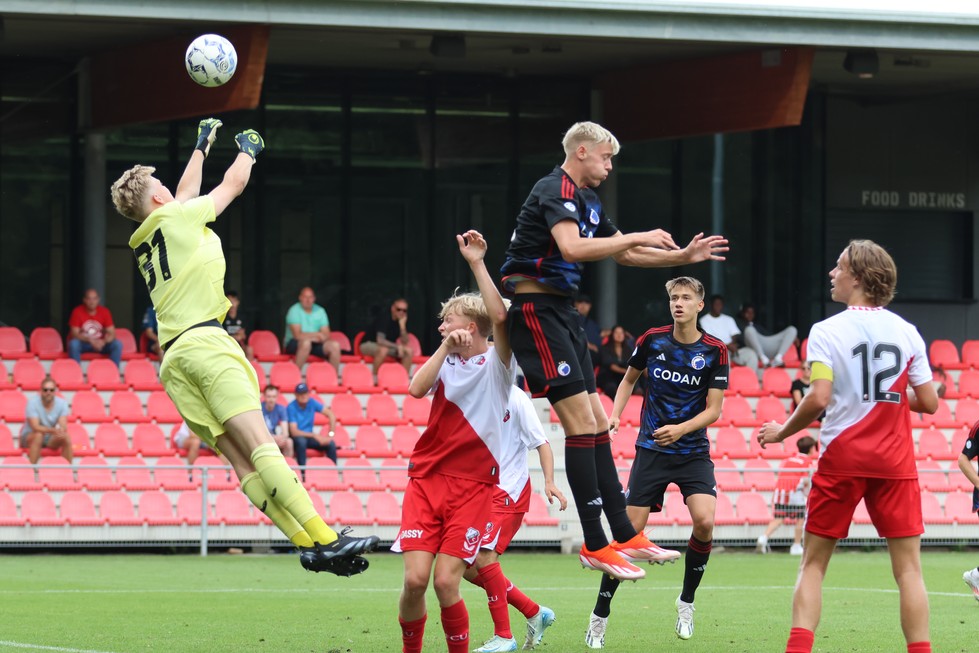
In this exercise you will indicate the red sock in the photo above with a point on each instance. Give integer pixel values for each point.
(800, 641)
(919, 647)
(496, 597)
(412, 633)
(523, 603)
(455, 623)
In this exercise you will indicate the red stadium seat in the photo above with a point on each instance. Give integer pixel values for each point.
(803, 349)
(728, 475)
(860, 514)
(931, 509)
(6, 380)
(189, 508)
(770, 408)
(393, 474)
(117, 509)
(393, 378)
(155, 509)
(958, 508)
(382, 410)
(67, 373)
(104, 375)
(265, 346)
(942, 418)
(347, 410)
(141, 374)
(677, 509)
(776, 381)
(416, 410)
(16, 473)
(358, 378)
(87, 406)
(539, 513)
(38, 509)
(9, 443)
(8, 511)
(232, 507)
(958, 439)
(260, 374)
(791, 357)
(933, 444)
(632, 415)
(78, 509)
(944, 354)
(970, 353)
(341, 338)
(758, 475)
(132, 474)
(13, 345)
(724, 512)
(55, 473)
(172, 473)
(968, 385)
(214, 469)
(111, 441)
(383, 509)
(346, 509)
(737, 411)
(13, 405)
(161, 409)
(967, 411)
(743, 381)
(372, 442)
(730, 442)
(322, 474)
(359, 475)
(624, 443)
(932, 476)
(149, 441)
(752, 508)
(417, 356)
(403, 440)
(81, 443)
(28, 374)
(285, 375)
(358, 338)
(125, 407)
(94, 474)
(322, 377)
(46, 343)
(129, 349)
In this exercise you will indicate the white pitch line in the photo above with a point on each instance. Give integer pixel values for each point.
(38, 647)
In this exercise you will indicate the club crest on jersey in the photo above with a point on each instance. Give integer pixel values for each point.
(489, 527)
(698, 362)
(570, 206)
(479, 360)
(506, 416)
(472, 539)
(563, 368)
(593, 217)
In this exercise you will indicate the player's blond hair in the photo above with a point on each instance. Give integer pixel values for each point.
(589, 133)
(686, 282)
(874, 268)
(129, 191)
(470, 305)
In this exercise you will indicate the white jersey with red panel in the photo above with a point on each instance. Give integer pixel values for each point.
(874, 355)
(465, 435)
(523, 432)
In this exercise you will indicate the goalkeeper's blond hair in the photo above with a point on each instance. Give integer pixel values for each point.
(588, 133)
(129, 191)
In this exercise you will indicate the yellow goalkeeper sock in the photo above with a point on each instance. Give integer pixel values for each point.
(285, 489)
(258, 494)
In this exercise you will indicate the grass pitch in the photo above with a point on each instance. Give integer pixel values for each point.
(267, 603)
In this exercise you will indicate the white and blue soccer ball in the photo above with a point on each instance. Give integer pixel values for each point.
(211, 60)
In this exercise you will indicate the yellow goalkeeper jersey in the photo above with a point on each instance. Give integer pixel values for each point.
(183, 265)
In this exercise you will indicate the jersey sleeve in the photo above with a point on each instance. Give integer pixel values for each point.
(640, 355)
(919, 371)
(818, 350)
(200, 210)
(719, 375)
(529, 428)
(971, 448)
(605, 227)
(555, 207)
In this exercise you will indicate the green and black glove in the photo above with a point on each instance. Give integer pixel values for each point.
(207, 132)
(250, 142)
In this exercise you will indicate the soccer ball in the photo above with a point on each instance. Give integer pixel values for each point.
(211, 60)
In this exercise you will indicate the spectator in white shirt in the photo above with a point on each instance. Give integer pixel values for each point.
(724, 328)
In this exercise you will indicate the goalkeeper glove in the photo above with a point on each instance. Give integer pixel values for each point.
(250, 142)
(207, 132)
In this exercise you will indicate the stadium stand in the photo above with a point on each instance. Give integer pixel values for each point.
(95, 475)
(383, 508)
(133, 474)
(155, 509)
(67, 373)
(103, 375)
(28, 374)
(382, 410)
(944, 354)
(47, 344)
(393, 378)
(116, 508)
(358, 379)
(743, 381)
(346, 509)
(78, 509)
(416, 410)
(322, 377)
(141, 374)
(13, 344)
(285, 375)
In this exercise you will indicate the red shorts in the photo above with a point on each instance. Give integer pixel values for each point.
(504, 526)
(894, 505)
(445, 514)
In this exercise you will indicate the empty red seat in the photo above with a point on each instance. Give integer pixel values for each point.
(161, 409)
(860, 514)
(730, 442)
(94, 474)
(322, 377)
(13, 344)
(149, 440)
(776, 381)
(382, 410)
(752, 508)
(372, 442)
(217, 474)
(403, 439)
(933, 444)
(233, 507)
(322, 474)
(932, 476)
(141, 374)
(967, 411)
(958, 508)
(9, 443)
(28, 374)
(38, 509)
(931, 509)
(156, 510)
(117, 509)
(970, 353)
(727, 475)
(724, 512)
(17, 473)
(285, 375)
(111, 440)
(358, 378)
(758, 474)
(417, 355)
(128, 341)
(265, 346)
(78, 509)
(383, 509)
(676, 508)
(81, 443)
(743, 381)
(538, 514)
(8, 511)
(737, 411)
(393, 474)
(361, 476)
(87, 406)
(347, 410)
(67, 373)
(944, 354)
(942, 418)
(47, 344)
(393, 377)
(632, 415)
(132, 473)
(55, 473)
(13, 405)
(770, 409)
(624, 442)
(172, 473)
(104, 375)
(346, 508)
(6, 383)
(190, 508)
(416, 410)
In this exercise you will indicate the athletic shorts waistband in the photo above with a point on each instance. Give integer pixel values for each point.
(206, 323)
(542, 298)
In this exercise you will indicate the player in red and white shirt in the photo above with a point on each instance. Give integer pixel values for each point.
(510, 503)
(864, 361)
(455, 466)
(789, 498)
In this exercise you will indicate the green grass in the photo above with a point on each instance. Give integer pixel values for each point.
(226, 603)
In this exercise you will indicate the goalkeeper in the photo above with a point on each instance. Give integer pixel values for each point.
(204, 370)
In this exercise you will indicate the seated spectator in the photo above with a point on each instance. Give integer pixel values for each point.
(387, 337)
(302, 414)
(724, 328)
(308, 331)
(150, 339)
(46, 423)
(800, 387)
(235, 326)
(186, 440)
(91, 329)
(593, 334)
(770, 347)
(277, 420)
(613, 360)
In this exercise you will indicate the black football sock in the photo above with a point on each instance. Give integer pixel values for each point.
(579, 461)
(603, 606)
(613, 497)
(696, 563)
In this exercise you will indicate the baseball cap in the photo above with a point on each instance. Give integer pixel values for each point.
(301, 388)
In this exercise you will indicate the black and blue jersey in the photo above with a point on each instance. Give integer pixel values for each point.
(679, 376)
(533, 253)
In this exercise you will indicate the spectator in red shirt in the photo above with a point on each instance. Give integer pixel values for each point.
(91, 329)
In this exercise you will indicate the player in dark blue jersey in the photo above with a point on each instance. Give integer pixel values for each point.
(562, 225)
(686, 375)
(970, 451)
